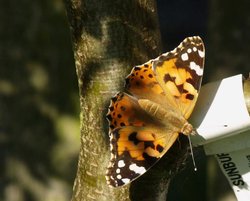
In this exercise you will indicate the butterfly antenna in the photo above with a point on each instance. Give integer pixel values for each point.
(192, 153)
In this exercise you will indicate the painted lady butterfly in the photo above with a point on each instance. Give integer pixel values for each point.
(146, 121)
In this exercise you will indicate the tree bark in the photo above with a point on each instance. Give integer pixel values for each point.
(109, 38)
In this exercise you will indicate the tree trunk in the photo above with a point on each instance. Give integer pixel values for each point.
(109, 38)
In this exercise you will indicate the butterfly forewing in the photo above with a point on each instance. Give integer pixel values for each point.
(180, 72)
(141, 82)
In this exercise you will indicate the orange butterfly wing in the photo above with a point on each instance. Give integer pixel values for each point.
(180, 72)
(141, 82)
(138, 138)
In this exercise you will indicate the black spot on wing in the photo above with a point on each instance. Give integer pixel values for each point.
(132, 137)
(159, 148)
(190, 81)
(167, 78)
(195, 81)
(109, 117)
(114, 99)
(123, 108)
(149, 144)
(190, 96)
(122, 124)
(137, 68)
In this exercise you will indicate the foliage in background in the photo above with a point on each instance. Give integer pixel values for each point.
(39, 104)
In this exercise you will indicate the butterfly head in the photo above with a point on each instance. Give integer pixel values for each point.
(187, 129)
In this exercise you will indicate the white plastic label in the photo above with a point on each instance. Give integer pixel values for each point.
(229, 144)
(236, 167)
(220, 111)
(223, 125)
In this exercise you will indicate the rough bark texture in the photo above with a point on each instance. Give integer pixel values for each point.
(109, 38)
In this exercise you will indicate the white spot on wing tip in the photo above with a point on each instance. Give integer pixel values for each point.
(201, 53)
(137, 169)
(196, 68)
(184, 57)
(125, 180)
(121, 163)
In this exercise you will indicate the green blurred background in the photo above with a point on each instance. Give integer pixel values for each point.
(39, 102)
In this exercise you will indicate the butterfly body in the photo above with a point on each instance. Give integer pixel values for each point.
(147, 119)
(172, 119)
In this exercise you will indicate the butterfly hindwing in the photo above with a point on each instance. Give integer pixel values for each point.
(134, 150)
(179, 73)
(137, 140)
